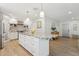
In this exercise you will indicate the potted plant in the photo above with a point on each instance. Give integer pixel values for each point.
(53, 29)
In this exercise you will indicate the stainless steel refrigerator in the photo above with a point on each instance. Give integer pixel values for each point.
(1, 31)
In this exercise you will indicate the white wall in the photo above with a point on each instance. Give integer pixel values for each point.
(71, 23)
(48, 24)
(6, 23)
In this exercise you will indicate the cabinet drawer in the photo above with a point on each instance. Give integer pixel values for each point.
(35, 47)
(36, 41)
(35, 52)
(35, 44)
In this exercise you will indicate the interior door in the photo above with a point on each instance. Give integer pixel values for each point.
(65, 30)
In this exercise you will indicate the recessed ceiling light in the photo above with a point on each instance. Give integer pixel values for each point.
(70, 12)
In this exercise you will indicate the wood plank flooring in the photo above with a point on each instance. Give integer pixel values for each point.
(59, 47)
(12, 48)
(64, 47)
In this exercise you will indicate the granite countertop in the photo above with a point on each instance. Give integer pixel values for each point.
(36, 36)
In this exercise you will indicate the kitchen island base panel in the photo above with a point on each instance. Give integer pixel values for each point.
(36, 46)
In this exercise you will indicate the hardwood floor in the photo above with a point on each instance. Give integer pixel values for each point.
(64, 47)
(12, 48)
(59, 47)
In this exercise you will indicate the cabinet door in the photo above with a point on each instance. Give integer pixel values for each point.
(35, 46)
(21, 40)
(12, 35)
(44, 47)
(26, 44)
(65, 30)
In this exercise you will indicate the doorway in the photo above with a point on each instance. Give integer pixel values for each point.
(65, 30)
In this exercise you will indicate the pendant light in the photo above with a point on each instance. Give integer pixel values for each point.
(27, 21)
(42, 12)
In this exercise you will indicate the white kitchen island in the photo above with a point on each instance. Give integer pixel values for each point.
(37, 46)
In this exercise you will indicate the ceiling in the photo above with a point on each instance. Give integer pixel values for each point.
(53, 11)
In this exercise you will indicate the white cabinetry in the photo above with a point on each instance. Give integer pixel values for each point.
(36, 46)
(12, 35)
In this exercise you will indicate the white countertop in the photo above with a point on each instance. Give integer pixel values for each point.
(36, 36)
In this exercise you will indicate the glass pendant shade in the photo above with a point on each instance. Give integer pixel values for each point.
(42, 14)
(27, 22)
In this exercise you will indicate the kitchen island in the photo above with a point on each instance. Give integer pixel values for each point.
(37, 46)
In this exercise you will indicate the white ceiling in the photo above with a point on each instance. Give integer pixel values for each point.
(53, 11)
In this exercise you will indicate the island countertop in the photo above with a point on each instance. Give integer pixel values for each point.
(36, 36)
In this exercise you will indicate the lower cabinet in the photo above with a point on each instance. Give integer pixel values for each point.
(12, 35)
(36, 46)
